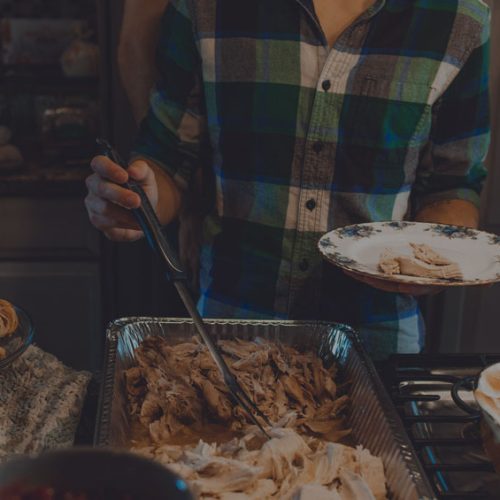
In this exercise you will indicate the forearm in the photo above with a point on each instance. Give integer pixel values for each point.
(453, 212)
(136, 52)
(172, 135)
(137, 89)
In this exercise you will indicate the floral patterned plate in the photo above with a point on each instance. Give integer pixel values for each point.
(358, 248)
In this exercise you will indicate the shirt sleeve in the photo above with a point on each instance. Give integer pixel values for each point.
(171, 134)
(452, 165)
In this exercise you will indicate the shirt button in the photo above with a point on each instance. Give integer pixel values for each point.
(311, 204)
(326, 85)
(318, 147)
(304, 265)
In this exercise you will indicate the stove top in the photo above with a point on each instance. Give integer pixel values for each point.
(444, 433)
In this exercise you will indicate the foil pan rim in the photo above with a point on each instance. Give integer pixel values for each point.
(116, 327)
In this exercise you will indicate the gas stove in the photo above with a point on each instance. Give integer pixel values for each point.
(433, 394)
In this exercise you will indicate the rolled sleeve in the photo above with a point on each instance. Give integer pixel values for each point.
(452, 164)
(171, 134)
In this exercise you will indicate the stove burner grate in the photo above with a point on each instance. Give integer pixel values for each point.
(433, 395)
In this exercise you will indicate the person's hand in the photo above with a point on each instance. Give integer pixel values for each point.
(396, 287)
(108, 204)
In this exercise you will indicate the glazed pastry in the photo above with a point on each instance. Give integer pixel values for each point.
(8, 319)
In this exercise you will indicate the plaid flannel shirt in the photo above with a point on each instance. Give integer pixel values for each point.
(301, 139)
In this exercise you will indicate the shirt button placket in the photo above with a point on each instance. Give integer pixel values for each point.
(312, 179)
(318, 147)
(304, 265)
(311, 204)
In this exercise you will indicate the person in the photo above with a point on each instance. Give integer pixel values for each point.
(311, 115)
(136, 51)
(136, 63)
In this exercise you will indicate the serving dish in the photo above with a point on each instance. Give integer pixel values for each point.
(19, 341)
(374, 421)
(357, 249)
(97, 471)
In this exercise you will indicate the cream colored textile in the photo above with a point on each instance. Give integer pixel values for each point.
(40, 404)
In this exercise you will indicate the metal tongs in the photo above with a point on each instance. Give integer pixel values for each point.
(151, 226)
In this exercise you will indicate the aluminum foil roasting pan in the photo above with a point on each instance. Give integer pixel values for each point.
(374, 421)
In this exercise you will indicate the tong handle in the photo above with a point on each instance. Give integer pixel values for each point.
(151, 226)
(148, 220)
(153, 231)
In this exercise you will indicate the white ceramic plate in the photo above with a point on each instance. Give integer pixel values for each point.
(358, 248)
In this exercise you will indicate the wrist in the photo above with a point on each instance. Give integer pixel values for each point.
(169, 196)
(453, 212)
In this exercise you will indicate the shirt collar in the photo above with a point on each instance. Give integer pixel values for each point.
(370, 12)
(399, 5)
(393, 5)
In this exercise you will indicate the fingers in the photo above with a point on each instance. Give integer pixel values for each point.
(104, 215)
(109, 203)
(394, 287)
(123, 235)
(431, 291)
(141, 172)
(109, 170)
(110, 191)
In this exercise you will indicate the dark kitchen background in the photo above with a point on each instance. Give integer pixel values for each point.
(59, 89)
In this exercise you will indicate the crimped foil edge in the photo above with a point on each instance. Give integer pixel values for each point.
(340, 337)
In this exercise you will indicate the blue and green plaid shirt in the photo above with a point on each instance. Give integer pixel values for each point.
(301, 139)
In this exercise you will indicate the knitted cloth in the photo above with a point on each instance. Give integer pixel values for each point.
(40, 404)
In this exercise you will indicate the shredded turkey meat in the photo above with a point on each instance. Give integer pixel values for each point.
(425, 263)
(177, 389)
(288, 466)
(177, 394)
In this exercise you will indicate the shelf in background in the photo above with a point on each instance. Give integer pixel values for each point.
(35, 180)
(44, 79)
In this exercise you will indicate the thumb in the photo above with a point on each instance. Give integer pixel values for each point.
(140, 171)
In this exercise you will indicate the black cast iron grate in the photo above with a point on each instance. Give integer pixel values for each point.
(433, 396)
